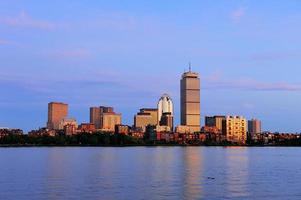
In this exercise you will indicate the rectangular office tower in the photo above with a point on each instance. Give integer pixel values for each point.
(190, 101)
(56, 113)
(104, 118)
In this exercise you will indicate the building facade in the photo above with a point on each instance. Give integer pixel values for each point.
(122, 129)
(56, 112)
(165, 105)
(215, 121)
(87, 128)
(108, 121)
(104, 118)
(190, 101)
(146, 116)
(67, 121)
(95, 116)
(254, 127)
(167, 120)
(235, 129)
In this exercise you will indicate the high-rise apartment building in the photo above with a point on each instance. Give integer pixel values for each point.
(254, 127)
(235, 129)
(215, 121)
(190, 101)
(56, 113)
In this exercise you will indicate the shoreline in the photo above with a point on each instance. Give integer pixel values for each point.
(159, 145)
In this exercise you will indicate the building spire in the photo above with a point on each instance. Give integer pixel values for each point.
(189, 66)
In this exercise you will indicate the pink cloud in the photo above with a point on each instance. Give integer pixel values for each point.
(74, 53)
(237, 14)
(5, 42)
(24, 20)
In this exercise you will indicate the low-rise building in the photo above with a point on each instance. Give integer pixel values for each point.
(86, 128)
(122, 129)
(42, 132)
(182, 129)
(7, 131)
(67, 121)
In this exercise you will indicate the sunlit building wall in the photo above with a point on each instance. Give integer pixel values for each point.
(190, 101)
(108, 121)
(104, 118)
(67, 121)
(56, 112)
(95, 116)
(235, 129)
(146, 116)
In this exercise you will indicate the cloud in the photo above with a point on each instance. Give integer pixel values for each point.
(238, 14)
(5, 42)
(74, 53)
(25, 21)
(248, 84)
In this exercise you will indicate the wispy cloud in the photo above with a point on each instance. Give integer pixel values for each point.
(73, 53)
(249, 84)
(5, 42)
(238, 14)
(23, 19)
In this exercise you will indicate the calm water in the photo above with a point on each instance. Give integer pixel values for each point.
(150, 173)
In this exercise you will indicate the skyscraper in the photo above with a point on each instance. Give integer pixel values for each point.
(95, 116)
(56, 113)
(165, 105)
(104, 118)
(190, 101)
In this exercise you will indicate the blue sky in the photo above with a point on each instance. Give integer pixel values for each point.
(127, 53)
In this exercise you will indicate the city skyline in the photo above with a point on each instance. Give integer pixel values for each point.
(101, 53)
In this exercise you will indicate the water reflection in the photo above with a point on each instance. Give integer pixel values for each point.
(150, 173)
(237, 172)
(192, 173)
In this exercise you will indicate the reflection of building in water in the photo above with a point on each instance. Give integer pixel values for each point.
(193, 173)
(237, 172)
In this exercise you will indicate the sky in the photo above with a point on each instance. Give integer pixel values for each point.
(127, 53)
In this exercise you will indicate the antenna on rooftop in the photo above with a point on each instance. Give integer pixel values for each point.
(189, 66)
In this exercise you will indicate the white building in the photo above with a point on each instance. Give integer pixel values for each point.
(165, 105)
